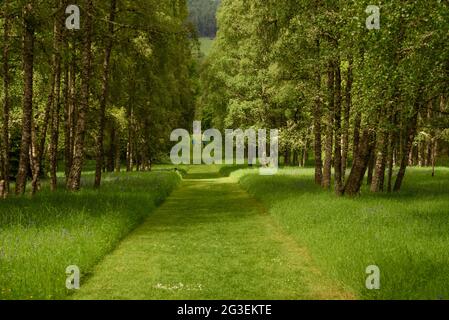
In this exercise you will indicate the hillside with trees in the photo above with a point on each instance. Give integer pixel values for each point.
(202, 15)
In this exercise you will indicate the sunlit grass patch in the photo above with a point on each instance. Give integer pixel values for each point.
(405, 233)
(41, 236)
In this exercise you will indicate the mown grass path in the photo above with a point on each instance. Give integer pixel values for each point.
(209, 240)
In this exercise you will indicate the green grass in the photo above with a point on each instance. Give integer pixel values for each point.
(405, 234)
(209, 240)
(41, 236)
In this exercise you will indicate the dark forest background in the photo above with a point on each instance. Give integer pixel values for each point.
(202, 15)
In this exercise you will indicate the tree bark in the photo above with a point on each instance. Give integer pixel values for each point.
(371, 164)
(295, 160)
(377, 183)
(34, 160)
(129, 146)
(430, 141)
(117, 156)
(434, 156)
(5, 146)
(329, 128)
(74, 182)
(356, 141)
(305, 153)
(112, 147)
(355, 179)
(69, 113)
(54, 137)
(104, 95)
(40, 149)
(317, 115)
(287, 157)
(346, 115)
(337, 124)
(391, 151)
(27, 108)
(411, 133)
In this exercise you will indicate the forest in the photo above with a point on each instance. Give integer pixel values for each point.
(93, 207)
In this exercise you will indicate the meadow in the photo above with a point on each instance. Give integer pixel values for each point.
(404, 234)
(41, 236)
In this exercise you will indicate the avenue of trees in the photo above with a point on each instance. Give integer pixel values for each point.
(202, 16)
(359, 102)
(369, 102)
(110, 91)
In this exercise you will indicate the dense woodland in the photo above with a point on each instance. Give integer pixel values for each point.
(370, 101)
(109, 92)
(202, 16)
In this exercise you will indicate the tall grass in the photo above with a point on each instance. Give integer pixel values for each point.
(41, 236)
(405, 234)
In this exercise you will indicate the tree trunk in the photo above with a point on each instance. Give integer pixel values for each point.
(296, 157)
(4, 154)
(411, 133)
(112, 146)
(104, 95)
(317, 129)
(337, 119)
(422, 154)
(69, 114)
(287, 157)
(66, 106)
(391, 151)
(129, 146)
(377, 183)
(329, 128)
(434, 156)
(346, 115)
(360, 164)
(356, 141)
(27, 116)
(305, 154)
(54, 137)
(34, 160)
(371, 164)
(117, 156)
(40, 149)
(430, 141)
(74, 181)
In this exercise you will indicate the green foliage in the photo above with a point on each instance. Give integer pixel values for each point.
(206, 45)
(263, 68)
(152, 83)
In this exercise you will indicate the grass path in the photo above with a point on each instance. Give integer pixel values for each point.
(209, 240)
